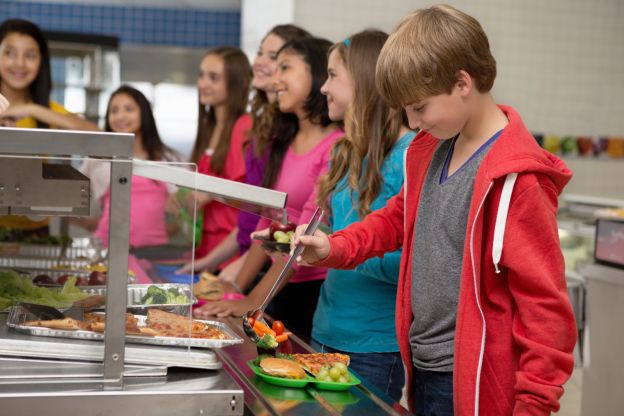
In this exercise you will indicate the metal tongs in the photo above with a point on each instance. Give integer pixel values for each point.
(76, 310)
(258, 313)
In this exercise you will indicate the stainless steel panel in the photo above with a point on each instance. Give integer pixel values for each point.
(30, 186)
(189, 393)
(233, 193)
(15, 370)
(65, 142)
(118, 234)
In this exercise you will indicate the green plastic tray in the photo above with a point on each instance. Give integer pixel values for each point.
(289, 382)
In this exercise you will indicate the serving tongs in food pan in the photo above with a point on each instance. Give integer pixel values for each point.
(76, 311)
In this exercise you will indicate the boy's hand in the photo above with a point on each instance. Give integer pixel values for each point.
(316, 246)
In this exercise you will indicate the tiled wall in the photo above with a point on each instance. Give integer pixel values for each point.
(560, 63)
(133, 24)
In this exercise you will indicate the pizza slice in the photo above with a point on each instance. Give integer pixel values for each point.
(62, 324)
(314, 362)
(171, 325)
(97, 323)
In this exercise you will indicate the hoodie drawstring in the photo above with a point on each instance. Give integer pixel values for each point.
(501, 219)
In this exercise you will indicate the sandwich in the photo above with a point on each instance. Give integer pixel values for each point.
(280, 367)
(208, 288)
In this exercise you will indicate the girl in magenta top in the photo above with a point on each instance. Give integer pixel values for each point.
(258, 147)
(129, 112)
(223, 84)
(299, 155)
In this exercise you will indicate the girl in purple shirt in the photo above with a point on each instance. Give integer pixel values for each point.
(299, 155)
(263, 109)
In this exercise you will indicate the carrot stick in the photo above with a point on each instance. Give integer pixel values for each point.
(263, 327)
(257, 331)
(281, 338)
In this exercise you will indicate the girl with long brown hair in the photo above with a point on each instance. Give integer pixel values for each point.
(263, 112)
(355, 312)
(304, 136)
(223, 84)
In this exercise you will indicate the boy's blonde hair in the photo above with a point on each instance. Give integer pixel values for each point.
(424, 54)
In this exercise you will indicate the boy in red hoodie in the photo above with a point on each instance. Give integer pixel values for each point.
(482, 331)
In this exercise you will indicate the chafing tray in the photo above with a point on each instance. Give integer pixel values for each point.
(67, 265)
(136, 293)
(18, 316)
(17, 344)
(79, 249)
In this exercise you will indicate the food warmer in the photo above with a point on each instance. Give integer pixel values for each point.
(58, 376)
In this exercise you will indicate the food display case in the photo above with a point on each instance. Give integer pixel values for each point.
(49, 371)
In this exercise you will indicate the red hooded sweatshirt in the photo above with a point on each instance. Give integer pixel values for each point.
(515, 329)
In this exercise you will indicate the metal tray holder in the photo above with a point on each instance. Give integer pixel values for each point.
(68, 265)
(80, 249)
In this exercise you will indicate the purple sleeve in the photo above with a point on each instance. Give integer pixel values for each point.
(247, 221)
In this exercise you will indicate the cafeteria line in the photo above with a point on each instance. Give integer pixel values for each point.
(161, 161)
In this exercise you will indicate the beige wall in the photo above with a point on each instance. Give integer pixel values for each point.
(560, 63)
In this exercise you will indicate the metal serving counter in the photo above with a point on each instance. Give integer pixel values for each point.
(30, 386)
(266, 399)
(42, 375)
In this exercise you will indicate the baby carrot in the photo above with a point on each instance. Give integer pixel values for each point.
(281, 338)
(263, 327)
(258, 332)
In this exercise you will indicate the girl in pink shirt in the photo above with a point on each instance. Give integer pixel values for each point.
(223, 84)
(299, 155)
(129, 112)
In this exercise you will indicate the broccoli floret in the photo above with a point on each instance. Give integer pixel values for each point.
(153, 289)
(268, 342)
(159, 298)
(154, 296)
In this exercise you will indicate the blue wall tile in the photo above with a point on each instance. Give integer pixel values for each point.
(133, 25)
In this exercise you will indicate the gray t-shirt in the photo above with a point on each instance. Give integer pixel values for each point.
(437, 257)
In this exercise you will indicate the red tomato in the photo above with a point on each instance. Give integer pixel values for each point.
(251, 321)
(278, 327)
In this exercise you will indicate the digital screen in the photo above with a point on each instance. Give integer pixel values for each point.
(610, 242)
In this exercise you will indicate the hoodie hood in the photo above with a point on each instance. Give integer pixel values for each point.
(516, 151)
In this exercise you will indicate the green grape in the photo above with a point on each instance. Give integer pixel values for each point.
(323, 374)
(279, 235)
(343, 379)
(334, 373)
(283, 239)
(342, 367)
